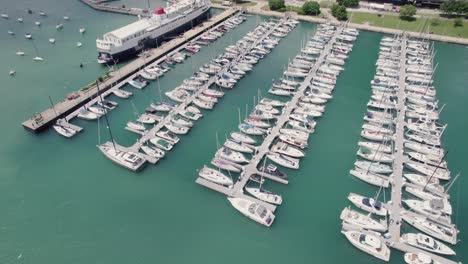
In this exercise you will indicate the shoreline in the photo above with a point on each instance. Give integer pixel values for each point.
(258, 11)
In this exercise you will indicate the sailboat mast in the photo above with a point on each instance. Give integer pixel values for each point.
(430, 178)
(105, 116)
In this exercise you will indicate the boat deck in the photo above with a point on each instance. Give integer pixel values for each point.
(68, 109)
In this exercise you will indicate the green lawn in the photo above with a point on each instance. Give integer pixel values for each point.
(445, 27)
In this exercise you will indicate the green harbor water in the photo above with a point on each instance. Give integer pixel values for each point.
(62, 201)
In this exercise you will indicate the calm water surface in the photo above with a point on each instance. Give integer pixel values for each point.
(63, 202)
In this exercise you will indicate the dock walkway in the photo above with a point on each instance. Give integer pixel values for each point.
(251, 169)
(68, 108)
(397, 178)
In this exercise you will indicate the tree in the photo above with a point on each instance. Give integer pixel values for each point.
(339, 11)
(349, 3)
(455, 7)
(311, 8)
(458, 22)
(276, 4)
(407, 12)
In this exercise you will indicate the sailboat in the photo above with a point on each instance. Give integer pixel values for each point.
(127, 159)
(37, 58)
(263, 194)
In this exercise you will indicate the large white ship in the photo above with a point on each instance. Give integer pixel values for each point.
(148, 31)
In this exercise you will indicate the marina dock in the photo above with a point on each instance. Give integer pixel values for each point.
(397, 180)
(68, 109)
(103, 6)
(251, 169)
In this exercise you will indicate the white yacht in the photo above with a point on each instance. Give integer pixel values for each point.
(440, 173)
(151, 30)
(368, 204)
(284, 161)
(243, 138)
(427, 243)
(265, 195)
(287, 150)
(122, 93)
(362, 221)
(225, 165)
(153, 152)
(215, 176)
(371, 178)
(64, 131)
(373, 166)
(237, 146)
(447, 233)
(418, 258)
(252, 210)
(231, 155)
(371, 244)
(126, 159)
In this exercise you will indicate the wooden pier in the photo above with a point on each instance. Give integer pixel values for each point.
(68, 108)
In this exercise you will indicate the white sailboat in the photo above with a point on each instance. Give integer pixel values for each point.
(215, 176)
(368, 204)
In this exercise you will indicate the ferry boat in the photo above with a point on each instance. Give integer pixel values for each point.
(150, 30)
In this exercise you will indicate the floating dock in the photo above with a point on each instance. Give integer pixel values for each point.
(249, 170)
(67, 109)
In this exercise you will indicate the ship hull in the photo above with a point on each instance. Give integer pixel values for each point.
(151, 43)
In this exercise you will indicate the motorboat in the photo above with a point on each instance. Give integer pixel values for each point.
(52, 40)
(20, 53)
(110, 105)
(418, 258)
(203, 104)
(243, 138)
(253, 210)
(362, 221)
(177, 129)
(64, 131)
(427, 243)
(287, 150)
(87, 115)
(82, 30)
(293, 141)
(215, 176)
(181, 121)
(371, 244)
(168, 136)
(438, 209)
(428, 159)
(368, 204)
(146, 119)
(301, 135)
(273, 170)
(37, 58)
(122, 93)
(138, 83)
(27, 35)
(153, 152)
(161, 143)
(136, 126)
(265, 195)
(163, 106)
(283, 160)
